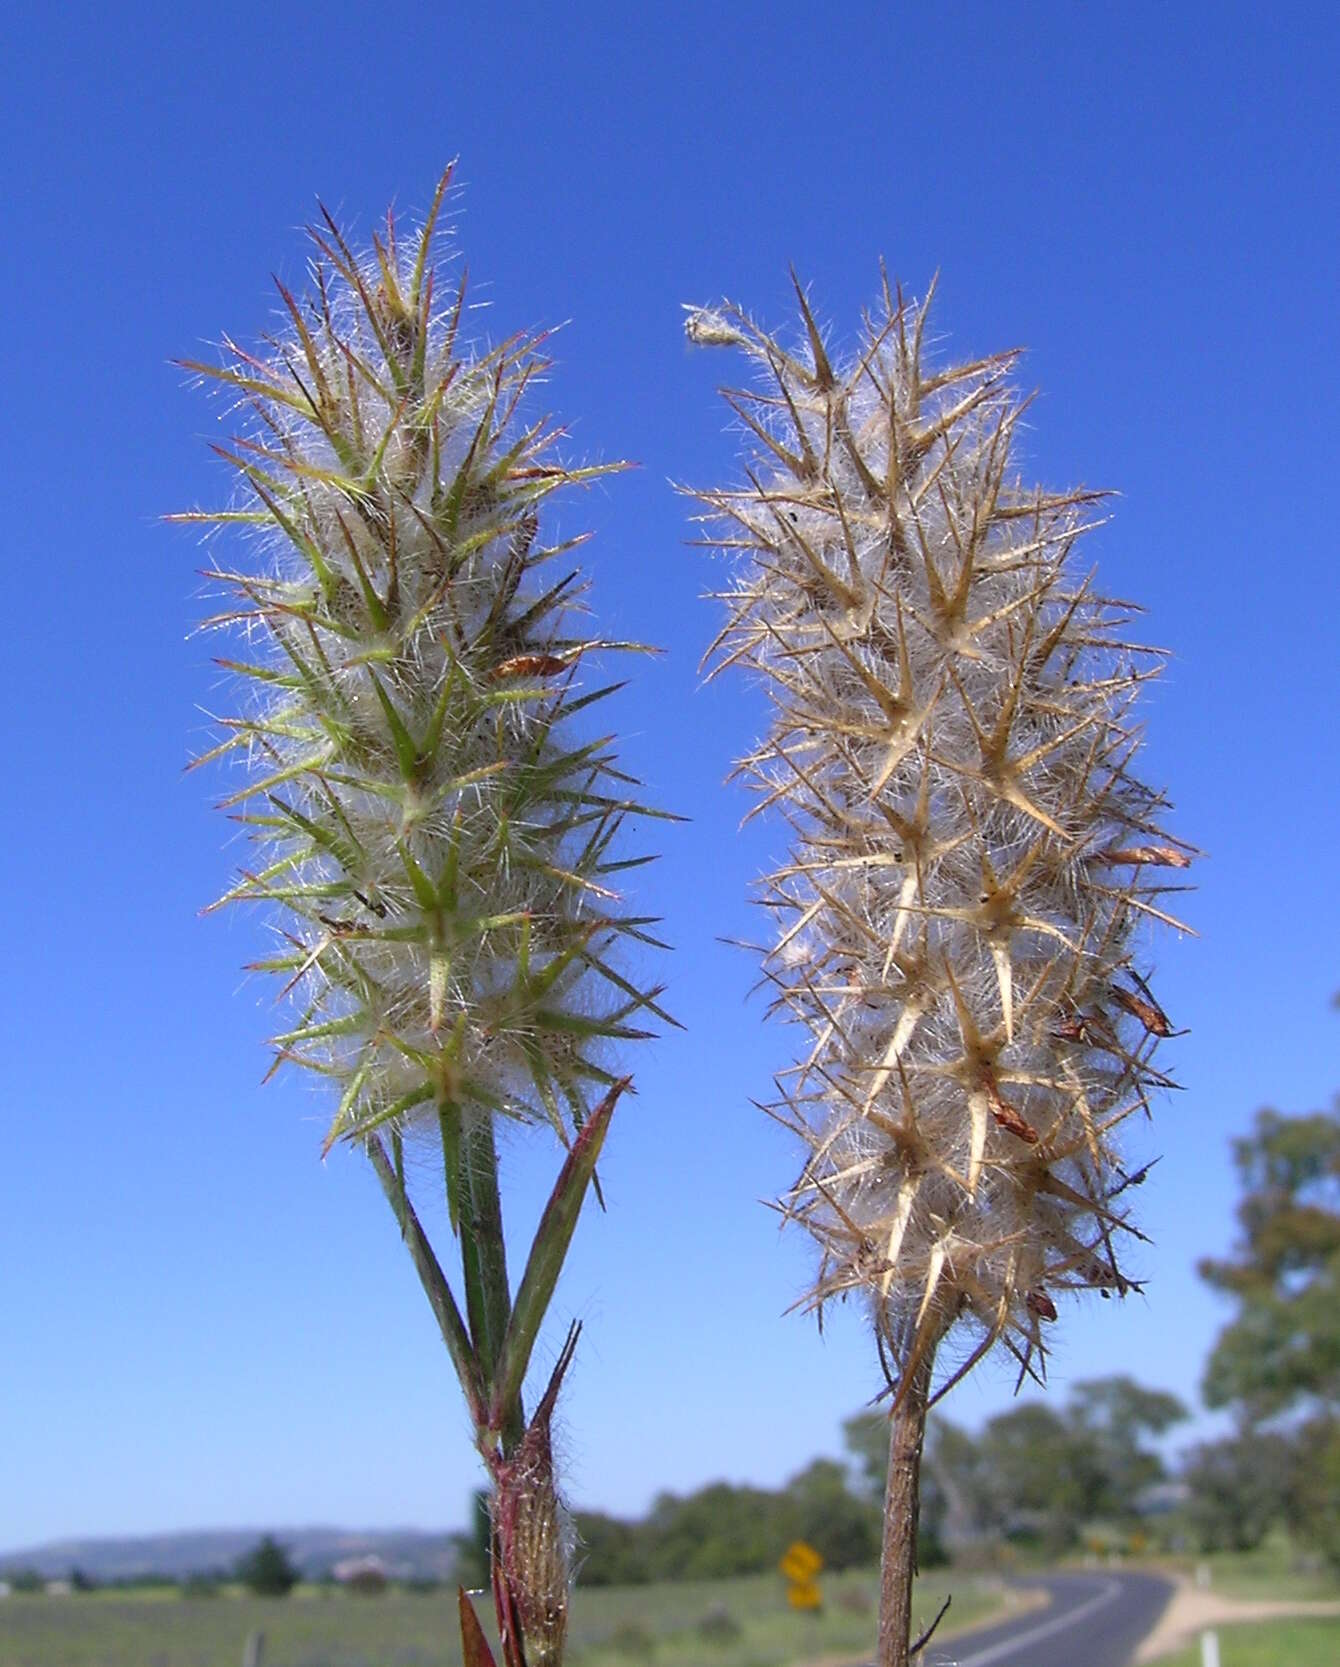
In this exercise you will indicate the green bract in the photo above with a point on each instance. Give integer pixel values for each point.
(437, 840)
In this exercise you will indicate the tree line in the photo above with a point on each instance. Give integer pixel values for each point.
(1034, 1474)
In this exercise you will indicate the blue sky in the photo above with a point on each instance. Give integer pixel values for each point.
(202, 1324)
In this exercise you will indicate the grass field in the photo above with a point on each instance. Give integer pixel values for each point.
(720, 1623)
(1270, 1644)
(1275, 1571)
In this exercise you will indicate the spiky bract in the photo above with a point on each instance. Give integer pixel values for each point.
(951, 747)
(436, 839)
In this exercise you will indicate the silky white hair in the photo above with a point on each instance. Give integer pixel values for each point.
(950, 746)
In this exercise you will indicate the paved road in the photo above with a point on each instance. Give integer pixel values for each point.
(1093, 1620)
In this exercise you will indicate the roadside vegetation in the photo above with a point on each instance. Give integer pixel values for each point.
(1302, 1643)
(744, 1622)
(1278, 1570)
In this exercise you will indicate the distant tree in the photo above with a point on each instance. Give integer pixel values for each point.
(1316, 1491)
(866, 1435)
(957, 1501)
(1036, 1471)
(471, 1546)
(1118, 1415)
(1277, 1362)
(843, 1527)
(81, 1581)
(610, 1552)
(200, 1584)
(1045, 1475)
(267, 1570)
(1282, 1350)
(1239, 1488)
(24, 1580)
(719, 1530)
(944, 1506)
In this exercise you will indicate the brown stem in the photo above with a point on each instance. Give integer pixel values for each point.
(907, 1429)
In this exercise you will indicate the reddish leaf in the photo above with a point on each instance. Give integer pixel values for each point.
(1166, 856)
(1005, 1114)
(473, 1642)
(530, 665)
(1144, 1008)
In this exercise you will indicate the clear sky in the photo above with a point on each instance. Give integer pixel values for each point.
(201, 1324)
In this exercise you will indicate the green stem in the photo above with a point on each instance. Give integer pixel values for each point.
(433, 1280)
(484, 1259)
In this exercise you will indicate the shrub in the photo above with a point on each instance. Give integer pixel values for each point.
(719, 1626)
(632, 1639)
(267, 1571)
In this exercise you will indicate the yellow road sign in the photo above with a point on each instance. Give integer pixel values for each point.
(800, 1566)
(800, 1563)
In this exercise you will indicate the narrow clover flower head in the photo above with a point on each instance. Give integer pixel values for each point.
(433, 831)
(951, 747)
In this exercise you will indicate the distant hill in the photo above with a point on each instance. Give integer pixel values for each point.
(407, 1552)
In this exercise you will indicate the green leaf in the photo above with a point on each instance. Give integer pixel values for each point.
(347, 1101)
(348, 1024)
(261, 486)
(523, 624)
(351, 855)
(263, 674)
(449, 1123)
(540, 1075)
(547, 1253)
(647, 998)
(484, 1256)
(248, 384)
(314, 762)
(398, 1154)
(575, 1024)
(424, 890)
(544, 980)
(406, 752)
(446, 886)
(370, 478)
(376, 608)
(433, 736)
(426, 235)
(481, 772)
(433, 1280)
(364, 1126)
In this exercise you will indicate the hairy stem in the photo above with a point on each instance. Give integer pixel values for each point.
(907, 1430)
(484, 1259)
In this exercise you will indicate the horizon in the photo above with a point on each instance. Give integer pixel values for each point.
(1171, 1447)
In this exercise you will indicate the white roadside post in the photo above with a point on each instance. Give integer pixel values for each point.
(1209, 1649)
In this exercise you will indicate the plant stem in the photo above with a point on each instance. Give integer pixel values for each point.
(431, 1277)
(484, 1259)
(907, 1430)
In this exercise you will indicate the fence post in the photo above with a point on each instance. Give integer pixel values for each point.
(255, 1649)
(1209, 1649)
